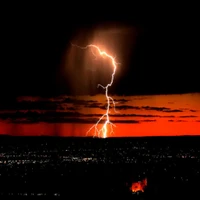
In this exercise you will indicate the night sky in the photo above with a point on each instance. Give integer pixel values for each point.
(162, 58)
(49, 87)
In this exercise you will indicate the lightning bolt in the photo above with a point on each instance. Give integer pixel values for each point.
(103, 131)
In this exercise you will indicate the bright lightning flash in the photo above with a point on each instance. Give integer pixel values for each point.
(103, 131)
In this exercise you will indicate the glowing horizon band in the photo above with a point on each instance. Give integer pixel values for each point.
(104, 129)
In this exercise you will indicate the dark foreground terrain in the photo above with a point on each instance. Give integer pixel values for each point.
(69, 168)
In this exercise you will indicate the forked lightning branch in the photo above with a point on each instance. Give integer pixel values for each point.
(103, 130)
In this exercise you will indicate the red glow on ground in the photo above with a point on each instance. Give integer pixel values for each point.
(139, 186)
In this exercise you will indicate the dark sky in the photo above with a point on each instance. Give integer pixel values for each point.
(34, 41)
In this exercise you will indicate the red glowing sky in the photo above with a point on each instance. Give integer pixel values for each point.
(153, 115)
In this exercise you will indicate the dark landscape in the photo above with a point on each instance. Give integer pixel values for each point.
(92, 167)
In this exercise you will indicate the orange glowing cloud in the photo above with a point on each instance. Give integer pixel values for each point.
(153, 115)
